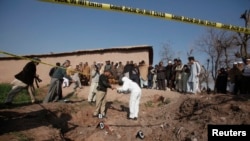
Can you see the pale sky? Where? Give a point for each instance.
(35, 27)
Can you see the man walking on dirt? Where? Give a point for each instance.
(24, 80)
(55, 88)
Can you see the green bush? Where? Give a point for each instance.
(21, 97)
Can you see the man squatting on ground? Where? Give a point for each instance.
(55, 88)
(135, 90)
(103, 85)
(24, 80)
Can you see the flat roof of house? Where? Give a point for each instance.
(82, 52)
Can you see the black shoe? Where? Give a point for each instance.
(92, 103)
(132, 118)
(129, 118)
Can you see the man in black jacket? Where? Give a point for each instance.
(103, 85)
(161, 76)
(24, 80)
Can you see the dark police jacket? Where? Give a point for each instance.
(28, 73)
(103, 83)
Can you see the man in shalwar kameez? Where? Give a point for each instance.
(135, 90)
(55, 88)
(193, 80)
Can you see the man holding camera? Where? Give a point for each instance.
(24, 80)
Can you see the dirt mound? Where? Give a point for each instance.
(164, 115)
(196, 113)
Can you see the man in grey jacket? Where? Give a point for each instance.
(55, 88)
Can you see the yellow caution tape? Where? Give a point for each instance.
(25, 58)
(104, 6)
(31, 59)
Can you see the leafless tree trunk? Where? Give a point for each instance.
(166, 53)
(217, 45)
(226, 42)
(242, 39)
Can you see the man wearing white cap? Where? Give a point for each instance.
(233, 75)
(240, 65)
(169, 74)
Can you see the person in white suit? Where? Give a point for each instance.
(135, 91)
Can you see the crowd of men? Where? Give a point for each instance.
(235, 80)
(175, 76)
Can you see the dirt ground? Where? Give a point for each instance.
(163, 116)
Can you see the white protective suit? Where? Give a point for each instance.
(135, 90)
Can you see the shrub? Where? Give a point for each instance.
(21, 97)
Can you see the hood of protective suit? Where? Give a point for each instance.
(124, 79)
(129, 85)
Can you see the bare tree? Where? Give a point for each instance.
(166, 52)
(207, 44)
(217, 45)
(204, 75)
(226, 42)
(190, 52)
(242, 39)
